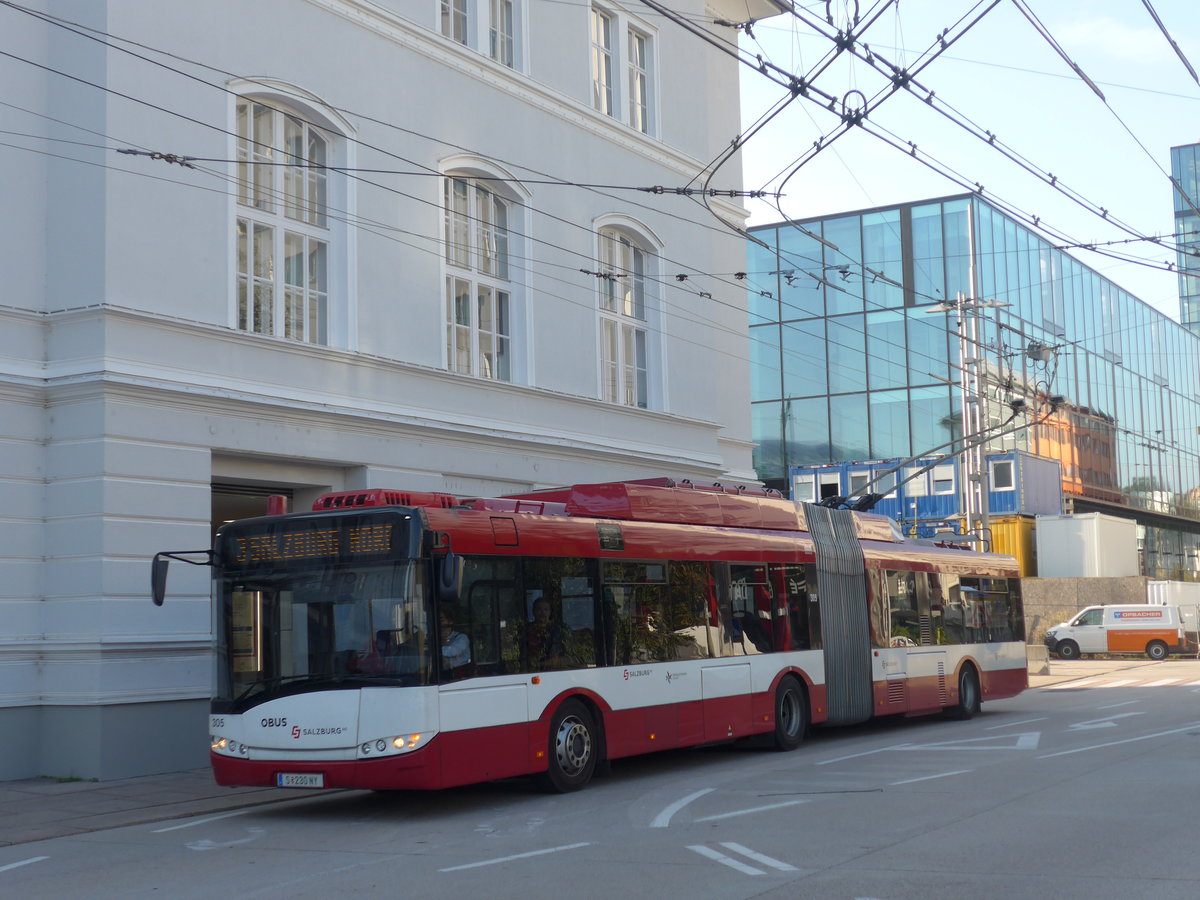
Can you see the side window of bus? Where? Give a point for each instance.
(750, 602)
(998, 612)
(905, 627)
(690, 610)
(637, 622)
(558, 614)
(797, 614)
(489, 591)
(942, 618)
(957, 610)
(880, 621)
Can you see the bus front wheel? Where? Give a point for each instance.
(791, 715)
(573, 749)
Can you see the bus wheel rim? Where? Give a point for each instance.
(573, 745)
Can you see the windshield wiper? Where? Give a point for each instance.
(267, 683)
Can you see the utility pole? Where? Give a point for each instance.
(972, 383)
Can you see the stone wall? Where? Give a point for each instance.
(1049, 601)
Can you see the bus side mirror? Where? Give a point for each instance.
(449, 571)
(158, 578)
(158, 569)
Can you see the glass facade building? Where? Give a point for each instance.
(1185, 170)
(856, 352)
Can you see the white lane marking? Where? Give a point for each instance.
(1120, 683)
(23, 862)
(1144, 737)
(1115, 705)
(746, 812)
(1022, 740)
(504, 859)
(1022, 722)
(1066, 685)
(206, 844)
(204, 821)
(1192, 684)
(1107, 722)
(930, 777)
(724, 860)
(1161, 682)
(663, 819)
(758, 857)
(826, 762)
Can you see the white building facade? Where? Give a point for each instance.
(400, 253)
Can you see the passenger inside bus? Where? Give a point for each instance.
(544, 638)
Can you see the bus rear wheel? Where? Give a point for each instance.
(969, 701)
(791, 715)
(1156, 650)
(573, 749)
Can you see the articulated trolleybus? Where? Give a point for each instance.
(413, 640)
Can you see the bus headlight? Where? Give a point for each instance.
(390, 746)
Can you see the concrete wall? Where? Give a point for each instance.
(1050, 601)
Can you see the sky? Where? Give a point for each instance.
(1006, 78)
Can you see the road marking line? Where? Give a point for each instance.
(1105, 722)
(663, 819)
(23, 862)
(826, 762)
(1119, 683)
(238, 812)
(758, 857)
(1122, 703)
(746, 812)
(1066, 685)
(1022, 722)
(1161, 682)
(930, 777)
(1144, 737)
(725, 860)
(1192, 684)
(503, 859)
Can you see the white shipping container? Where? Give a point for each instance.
(1088, 545)
(1184, 594)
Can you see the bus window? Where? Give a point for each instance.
(797, 615)
(750, 601)
(637, 622)
(879, 622)
(904, 621)
(558, 614)
(995, 612)
(687, 609)
(489, 592)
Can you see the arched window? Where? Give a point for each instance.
(481, 221)
(625, 262)
(284, 234)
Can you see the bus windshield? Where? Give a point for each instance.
(289, 631)
(317, 604)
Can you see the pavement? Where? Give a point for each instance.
(39, 809)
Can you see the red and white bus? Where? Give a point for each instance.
(404, 640)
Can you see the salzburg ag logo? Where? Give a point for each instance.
(635, 673)
(296, 732)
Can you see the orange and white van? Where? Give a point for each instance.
(1120, 628)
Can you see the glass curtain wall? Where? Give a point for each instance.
(854, 359)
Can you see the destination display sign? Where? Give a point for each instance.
(328, 540)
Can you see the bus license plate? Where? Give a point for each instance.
(300, 779)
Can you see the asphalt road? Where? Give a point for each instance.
(1078, 789)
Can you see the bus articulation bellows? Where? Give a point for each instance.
(402, 640)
